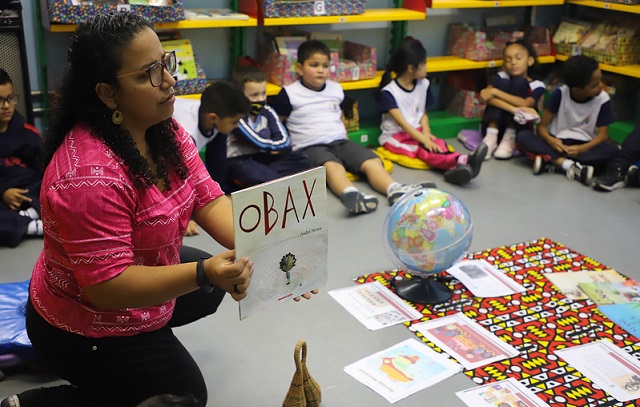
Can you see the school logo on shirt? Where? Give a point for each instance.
(416, 108)
(334, 107)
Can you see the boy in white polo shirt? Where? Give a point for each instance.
(310, 108)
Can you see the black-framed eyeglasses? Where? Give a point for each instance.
(10, 100)
(156, 70)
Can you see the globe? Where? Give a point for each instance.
(426, 232)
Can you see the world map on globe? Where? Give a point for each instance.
(427, 231)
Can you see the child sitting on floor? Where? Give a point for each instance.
(573, 131)
(259, 149)
(512, 100)
(20, 179)
(405, 124)
(311, 107)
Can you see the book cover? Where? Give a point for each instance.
(402, 369)
(465, 340)
(282, 226)
(612, 293)
(184, 56)
(568, 282)
(289, 45)
(627, 315)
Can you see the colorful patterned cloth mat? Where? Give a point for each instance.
(536, 322)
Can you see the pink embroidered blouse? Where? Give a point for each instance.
(97, 223)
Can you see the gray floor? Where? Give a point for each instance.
(250, 363)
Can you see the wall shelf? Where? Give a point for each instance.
(369, 16)
(635, 9)
(177, 25)
(626, 70)
(434, 65)
(491, 3)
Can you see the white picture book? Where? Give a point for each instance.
(483, 279)
(374, 305)
(569, 282)
(402, 369)
(282, 227)
(610, 368)
(508, 392)
(465, 340)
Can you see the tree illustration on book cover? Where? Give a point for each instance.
(274, 220)
(287, 262)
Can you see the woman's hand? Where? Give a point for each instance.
(222, 270)
(306, 296)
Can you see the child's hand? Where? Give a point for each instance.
(486, 94)
(574, 151)
(15, 197)
(431, 146)
(557, 145)
(192, 229)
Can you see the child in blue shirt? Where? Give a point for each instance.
(259, 149)
(311, 107)
(573, 131)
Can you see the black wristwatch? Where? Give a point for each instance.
(201, 278)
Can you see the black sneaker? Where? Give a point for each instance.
(476, 158)
(581, 173)
(11, 401)
(610, 181)
(540, 166)
(459, 175)
(357, 202)
(632, 179)
(399, 191)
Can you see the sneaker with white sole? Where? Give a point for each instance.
(610, 181)
(11, 401)
(357, 202)
(507, 146)
(397, 192)
(540, 166)
(632, 179)
(581, 173)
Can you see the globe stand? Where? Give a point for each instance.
(423, 290)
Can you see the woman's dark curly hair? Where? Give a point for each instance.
(95, 56)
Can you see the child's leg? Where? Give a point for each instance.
(445, 160)
(329, 157)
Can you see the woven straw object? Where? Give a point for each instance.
(304, 391)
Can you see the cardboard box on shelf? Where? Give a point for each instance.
(65, 12)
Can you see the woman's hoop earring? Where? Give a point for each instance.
(117, 117)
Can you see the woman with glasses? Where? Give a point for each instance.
(20, 177)
(121, 182)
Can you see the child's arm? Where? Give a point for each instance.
(273, 137)
(543, 131)
(602, 135)
(499, 98)
(423, 138)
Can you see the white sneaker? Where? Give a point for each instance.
(491, 140)
(580, 172)
(507, 146)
